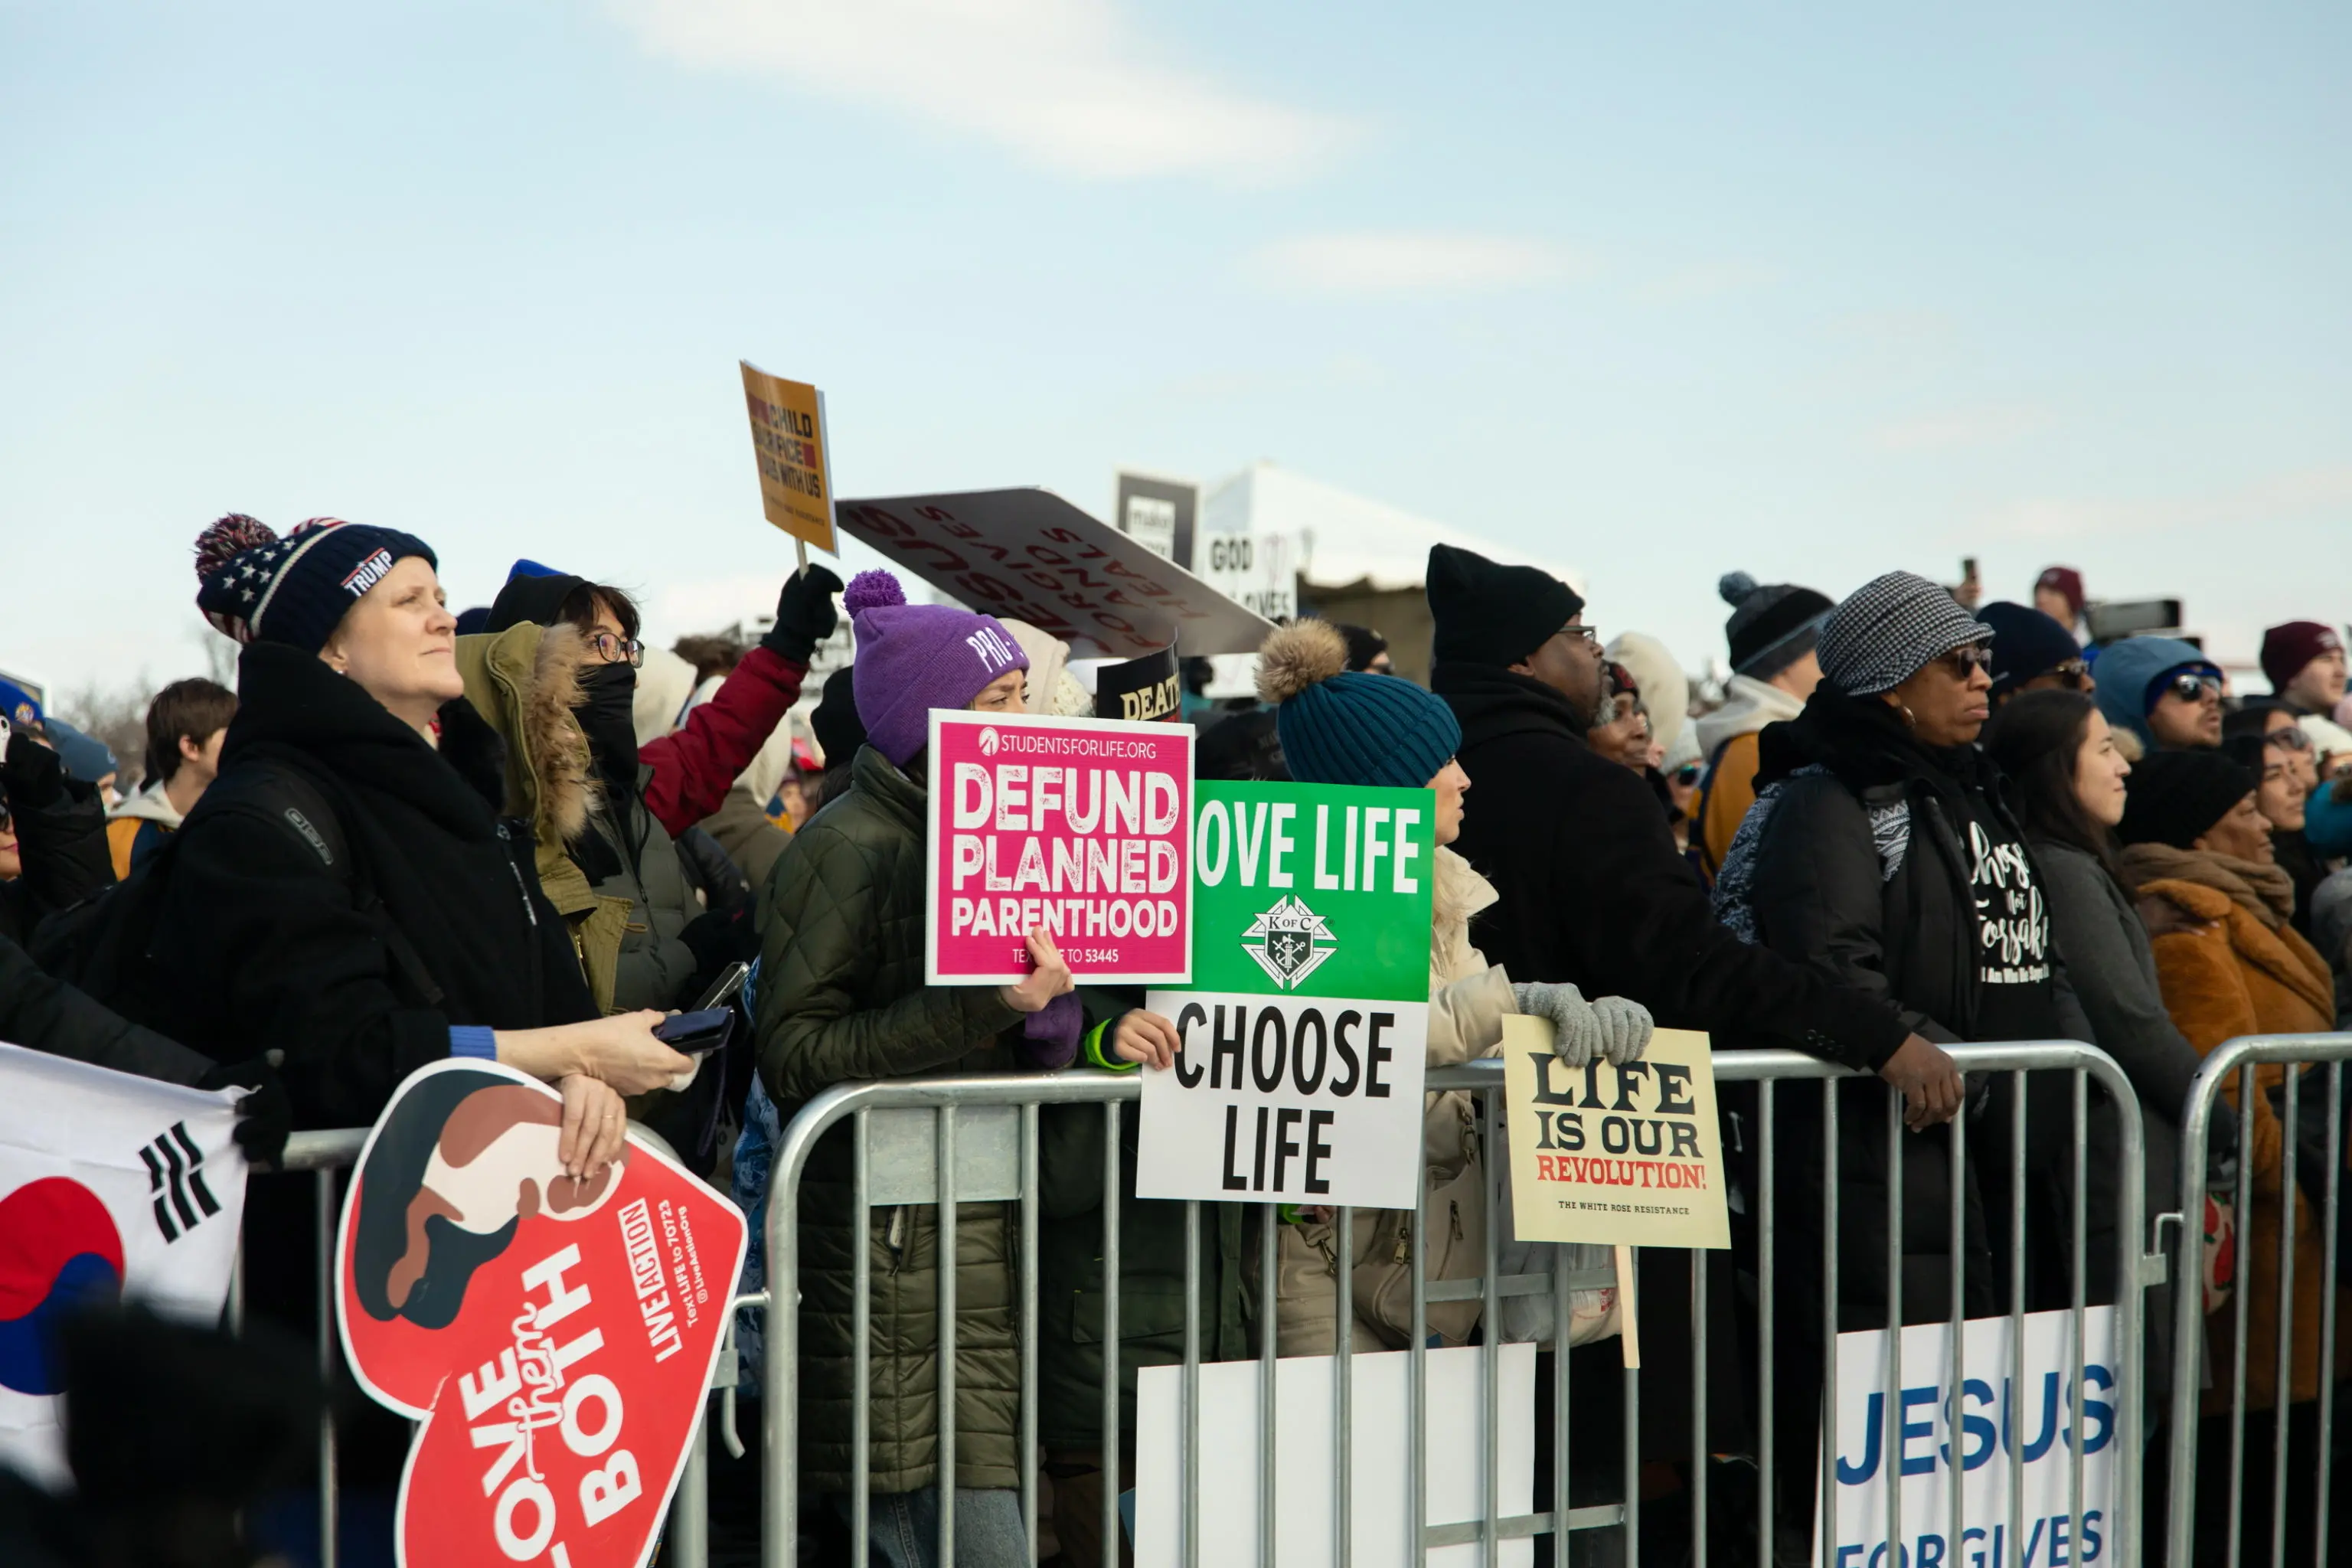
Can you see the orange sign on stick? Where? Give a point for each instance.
(795, 467)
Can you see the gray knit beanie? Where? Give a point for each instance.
(1889, 629)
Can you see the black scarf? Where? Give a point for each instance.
(1492, 703)
(1865, 743)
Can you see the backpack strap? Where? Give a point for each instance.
(1699, 858)
(293, 797)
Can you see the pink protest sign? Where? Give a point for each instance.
(1082, 826)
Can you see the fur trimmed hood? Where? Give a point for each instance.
(524, 682)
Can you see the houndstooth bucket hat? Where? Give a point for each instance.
(1890, 628)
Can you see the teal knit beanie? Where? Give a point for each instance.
(1350, 729)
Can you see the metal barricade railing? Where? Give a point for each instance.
(983, 1144)
(326, 1155)
(2242, 1059)
(1000, 1116)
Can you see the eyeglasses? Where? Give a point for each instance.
(1961, 662)
(2072, 671)
(2193, 688)
(613, 650)
(2287, 738)
(1588, 635)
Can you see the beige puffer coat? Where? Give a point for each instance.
(1468, 999)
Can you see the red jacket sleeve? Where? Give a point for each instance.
(693, 768)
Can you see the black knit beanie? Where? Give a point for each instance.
(530, 595)
(1488, 613)
(2175, 797)
(1768, 618)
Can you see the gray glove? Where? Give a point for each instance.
(1625, 1026)
(1576, 1028)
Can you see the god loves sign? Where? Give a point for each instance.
(1078, 827)
(1306, 1034)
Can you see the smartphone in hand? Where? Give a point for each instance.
(696, 1033)
(725, 988)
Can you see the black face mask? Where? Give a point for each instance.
(607, 694)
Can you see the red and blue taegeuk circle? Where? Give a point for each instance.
(58, 1250)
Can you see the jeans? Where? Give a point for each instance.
(906, 1529)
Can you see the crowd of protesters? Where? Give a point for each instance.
(1907, 822)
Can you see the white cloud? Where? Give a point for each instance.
(1962, 428)
(1410, 262)
(1065, 83)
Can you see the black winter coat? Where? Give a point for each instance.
(261, 944)
(1595, 892)
(1071, 1301)
(42, 1013)
(60, 838)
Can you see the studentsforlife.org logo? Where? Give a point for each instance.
(1289, 942)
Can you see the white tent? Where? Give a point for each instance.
(1361, 561)
(1348, 539)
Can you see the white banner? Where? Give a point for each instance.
(111, 1188)
(1289, 1099)
(1454, 1423)
(1993, 1422)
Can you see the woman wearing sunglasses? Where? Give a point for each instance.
(1884, 851)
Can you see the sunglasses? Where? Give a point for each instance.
(1688, 775)
(1962, 662)
(2289, 739)
(2193, 688)
(2072, 671)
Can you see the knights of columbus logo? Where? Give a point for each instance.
(1288, 942)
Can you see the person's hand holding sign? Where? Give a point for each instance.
(1049, 979)
(1145, 1038)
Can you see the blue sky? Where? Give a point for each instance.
(1659, 290)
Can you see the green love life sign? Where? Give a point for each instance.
(1304, 1036)
(1312, 890)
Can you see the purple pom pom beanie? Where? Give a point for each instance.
(912, 659)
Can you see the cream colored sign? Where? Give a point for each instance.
(1614, 1155)
(795, 467)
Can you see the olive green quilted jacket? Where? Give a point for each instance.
(842, 999)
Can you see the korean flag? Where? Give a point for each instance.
(111, 1188)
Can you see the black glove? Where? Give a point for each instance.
(34, 776)
(804, 615)
(265, 1116)
(717, 939)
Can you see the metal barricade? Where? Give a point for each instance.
(326, 1155)
(2242, 1060)
(981, 1144)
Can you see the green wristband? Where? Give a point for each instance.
(1092, 1045)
